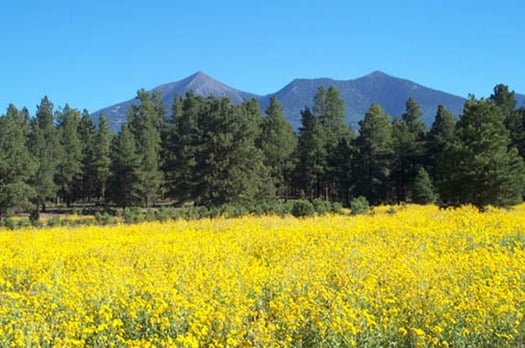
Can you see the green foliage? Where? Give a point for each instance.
(145, 123)
(321, 206)
(359, 205)
(124, 182)
(440, 137)
(53, 221)
(87, 187)
(311, 156)
(302, 208)
(69, 168)
(278, 144)
(482, 168)
(424, 192)
(131, 215)
(409, 136)
(46, 149)
(104, 218)
(10, 223)
(373, 163)
(102, 151)
(16, 165)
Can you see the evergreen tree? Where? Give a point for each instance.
(103, 155)
(341, 162)
(424, 192)
(409, 135)
(329, 111)
(16, 164)
(504, 99)
(86, 187)
(181, 145)
(515, 123)
(441, 136)
(124, 186)
(69, 167)
(374, 156)
(278, 144)
(229, 168)
(311, 154)
(486, 170)
(145, 121)
(45, 148)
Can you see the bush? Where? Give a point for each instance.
(336, 208)
(321, 206)
(131, 216)
(302, 208)
(151, 215)
(359, 205)
(163, 214)
(104, 219)
(53, 221)
(10, 223)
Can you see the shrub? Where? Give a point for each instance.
(131, 216)
(359, 205)
(104, 219)
(10, 223)
(336, 207)
(302, 208)
(321, 206)
(164, 214)
(53, 221)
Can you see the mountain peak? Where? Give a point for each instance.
(199, 75)
(377, 74)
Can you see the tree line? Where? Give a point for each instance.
(208, 151)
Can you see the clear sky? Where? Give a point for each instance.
(95, 53)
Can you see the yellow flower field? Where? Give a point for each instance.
(417, 277)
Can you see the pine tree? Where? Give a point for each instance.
(441, 135)
(486, 170)
(103, 155)
(374, 156)
(181, 145)
(145, 123)
(311, 154)
(229, 167)
(86, 187)
(69, 167)
(278, 144)
(16, 164)
(329, 111)
(424, 192)
(45, 148)
(341, 161)
(504, 99)
(409, 135)
(515, 123)
(124, 186)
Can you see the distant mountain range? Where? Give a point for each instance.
(358, 94)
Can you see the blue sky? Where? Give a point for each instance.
(92, 54)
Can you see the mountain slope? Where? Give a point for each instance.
(358, 94)
(389, 92)
(199, 83)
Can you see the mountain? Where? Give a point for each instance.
(199, 83)
(389, 92)
(358, 94)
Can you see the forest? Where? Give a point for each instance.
(208, 151)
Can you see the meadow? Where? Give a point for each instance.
(412, 276)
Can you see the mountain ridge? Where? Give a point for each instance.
(358, 94)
